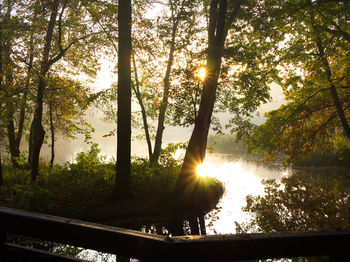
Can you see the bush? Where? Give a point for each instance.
(81, 188)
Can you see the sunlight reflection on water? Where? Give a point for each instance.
(240, 178)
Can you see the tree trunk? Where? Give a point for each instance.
(195, 152)
(13, 136)
(332, 87)
(9, 105)
(143, 110)
(1, 176)
(122, 183)
(14, 148)
(37, 132)
(1, 76)
(52, 128)
(164, 103)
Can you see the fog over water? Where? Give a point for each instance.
(67, 149)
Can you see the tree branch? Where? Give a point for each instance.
(59, 43)
(232, 16)
(305, 101)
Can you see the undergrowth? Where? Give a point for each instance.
(81, 188)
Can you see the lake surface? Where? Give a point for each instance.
(241, 177)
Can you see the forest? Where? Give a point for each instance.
(182, 63)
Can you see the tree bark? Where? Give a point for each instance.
(1, 77)
(122, 183)
(14, 149)
(13, 136)
(52, 128)
(164, 103)
(196, 149)
(37, 132)
(143, 110)
(332, 87)
(8, 82)
(1, 176)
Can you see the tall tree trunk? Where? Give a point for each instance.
(1, 77)
(8, 82)
(196, 149)
(52, 128)
(332, 87)
(164, 103)
(11, 135)
(1, 176)
(122, 183)
(37, 132)
(14, 137)
(333, 90)
(143, 110)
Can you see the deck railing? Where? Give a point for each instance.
(150, 247)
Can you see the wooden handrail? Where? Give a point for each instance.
(135, 244)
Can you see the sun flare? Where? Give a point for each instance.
(206, 170)
(201, 73)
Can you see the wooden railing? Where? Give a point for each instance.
(150, 247)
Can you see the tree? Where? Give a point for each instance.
(220, 19)
(66, 101)
(173, 30)
(37, 132)
(1, 92)
(13, 29)
(122, 183)
(301, 202)
(1, 175)
(180, 12)
(314, 66)
(137, 91)
(70, 37)
(17, 107)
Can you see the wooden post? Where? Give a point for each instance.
(3, 252)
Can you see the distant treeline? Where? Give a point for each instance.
(225, 144)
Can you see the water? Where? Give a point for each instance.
(240, 178)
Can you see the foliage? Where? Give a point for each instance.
(313, 66)
(167, 155)
(301, 202)
(69, 100)
(81, 188)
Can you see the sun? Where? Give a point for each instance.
(201, 73)
(205, 170)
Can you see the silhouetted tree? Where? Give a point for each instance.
(220, 19)
(122, 183)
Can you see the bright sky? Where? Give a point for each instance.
(105, 77)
